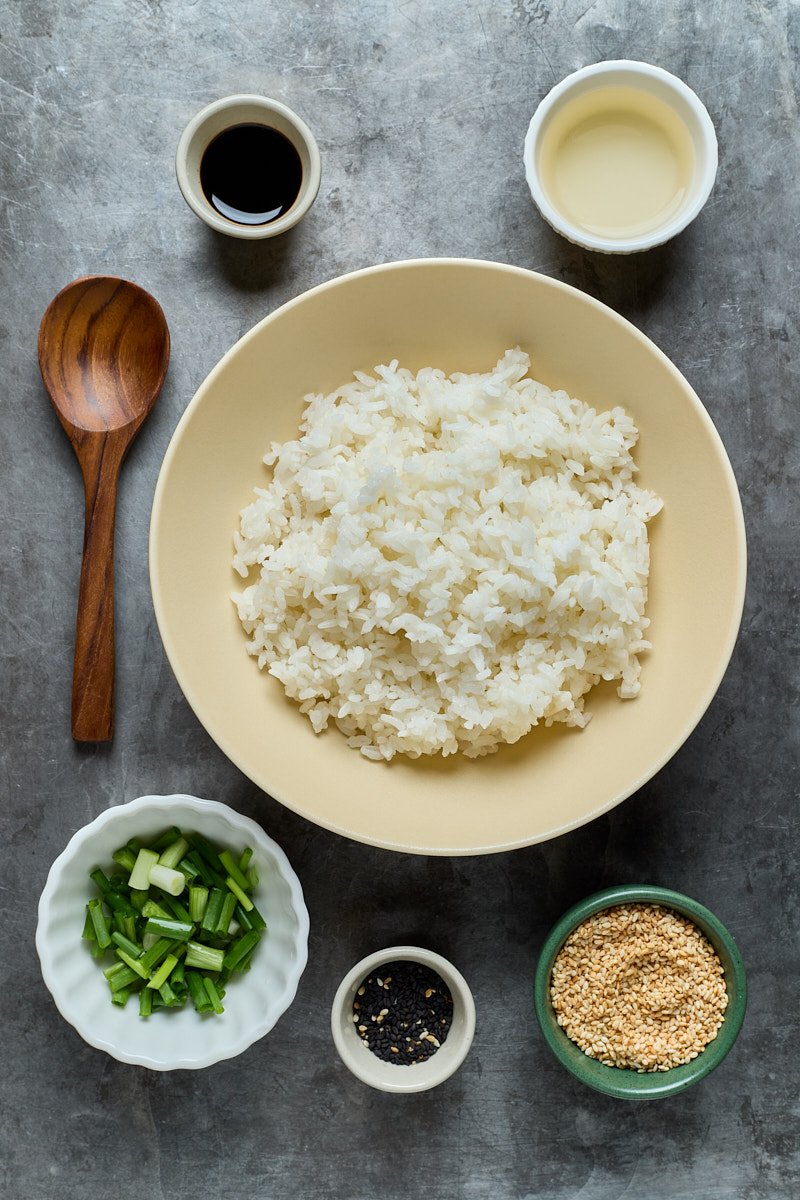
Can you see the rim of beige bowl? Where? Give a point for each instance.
(686, 104)
(240, 109)
(195, 699)
(419, 1077)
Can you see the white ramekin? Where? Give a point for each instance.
(668, 88)
(241, 110)
(253, 1001)
(419, 1077)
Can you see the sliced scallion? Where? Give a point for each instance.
(125, 858)
(167, 879)
(135, 964)
(173, 853)
(240, 948)
(206, 958)
(239, 878)
(226, 915)
(241, 896)
(162, 974)
(126, 944)
(176, 931)
(101, 930)
(213, 994)
(165, 948)
(140, 875)
(198, 898)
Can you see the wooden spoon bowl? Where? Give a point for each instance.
(103, 353)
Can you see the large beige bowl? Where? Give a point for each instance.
(457, 315)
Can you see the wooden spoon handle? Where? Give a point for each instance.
(93, 670)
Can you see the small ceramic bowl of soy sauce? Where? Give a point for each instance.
(248, 166)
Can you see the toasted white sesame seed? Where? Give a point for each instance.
(639, 986)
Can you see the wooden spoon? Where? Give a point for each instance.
(103, 354)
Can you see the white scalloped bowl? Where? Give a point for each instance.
(179, 1039)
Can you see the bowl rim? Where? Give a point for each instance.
(651, 1085)
(738, 584)
(149, 803)
(656, 237)
(200, 206)
(433, 1071)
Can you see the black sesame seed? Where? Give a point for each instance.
(416, 1001)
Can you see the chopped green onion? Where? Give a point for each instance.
(140, 875)
(189, 869)
(244, 963)
(173, 853)
(245, 919)
(88, 927)
(156, 953)
(250, 920)
(240, 948)
(135, 964)
(119, 904)
(126, 944)
(123, 979)
(204, 957)
(226, 914)
(198, 898)
(177, 910)
(166, 839)
(101, 880)
(207, 851)
(101, 930)
(239, 878)
(125, 857)
(175, 948)
(177, 931)
(213, 994)
(167, 995)
(162, 974)
(204, 872)
(114, 970)
(198, 992)
(213, 910)
(241, 896)
(167, 879)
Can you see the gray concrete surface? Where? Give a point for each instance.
(420, 110)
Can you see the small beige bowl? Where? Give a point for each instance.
(647, 79)
(242, 110)
(418, 1077)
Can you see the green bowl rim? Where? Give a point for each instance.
(664, 1083)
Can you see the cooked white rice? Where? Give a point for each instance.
(443, 563)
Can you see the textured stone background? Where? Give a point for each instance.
(420, 109)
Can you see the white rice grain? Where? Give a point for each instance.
(442, 563)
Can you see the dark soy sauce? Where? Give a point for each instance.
(251, 174)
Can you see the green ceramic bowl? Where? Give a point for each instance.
(614, 1081)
